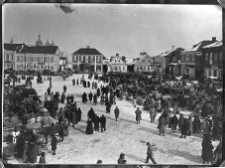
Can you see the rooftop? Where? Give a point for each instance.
(40, 49)
(87, 51)
(216, 44)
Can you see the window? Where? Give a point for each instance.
(52, 59)
(18, 58)
(81, 58)
(215, 55)
(115, 68)
(193, 58)
(120, 68)
(38, 59)
(93, 59)
(221, 58)
(187, 58)
(99, 59)
(34, 66)
(206, 56)
(86, 59)
(49, 67)
(210, 58)
(214, 73)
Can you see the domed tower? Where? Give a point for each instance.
(47, 43)
(39, 42)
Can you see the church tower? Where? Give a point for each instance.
(39, 42)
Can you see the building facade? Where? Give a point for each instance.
(87, 60)
(192, 60)
(10, 54)
(38, 58)
(213, 61)
(144, 64)
(118, 64)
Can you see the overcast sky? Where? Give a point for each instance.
(124, 29)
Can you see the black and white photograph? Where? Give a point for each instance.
(112, 84)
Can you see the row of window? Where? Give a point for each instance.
(216, 55)
(188, 58)
(86, 59)
(8, 57)
(213, 73)
(119, 68)
(35, 59)
(21, 67)
(144, 68)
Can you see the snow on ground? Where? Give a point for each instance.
(124, 135)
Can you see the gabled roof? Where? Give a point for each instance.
(167, 53)
(216, 44)
(40, 49)
(12, 47)
(87, 51)
(117, 57)
(140, 62)
(200, 45)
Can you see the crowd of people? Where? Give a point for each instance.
(29, 144)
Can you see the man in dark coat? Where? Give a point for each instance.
(79, 113)
(54, 144)
(63, 98)
(32, 152)
(117, 112)
(196, 124)
(106, 99)
(102, 120)
(184, 128)
(207, 149)
(95, 99)
(150, 154)
(91, 114)
(90, 97)
(84, 97)
(108, 107)
(174, 122)
(89, 128)
(98, 92)
(96, 124)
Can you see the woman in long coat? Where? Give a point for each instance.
(89, 129)
(207, 149)
(73, 118)
(138, 115)
(184, 128)
(79, 112)
(162, 124)
(54, 144)
(84, 97)
(190, 126)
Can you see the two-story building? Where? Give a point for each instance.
(88, 60)
(169, 61)
(118, 64)
(10, 53)
(38, 58)
(192, 61)
(213, 61)
(144, 64)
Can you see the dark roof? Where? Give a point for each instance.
(39, 49)
(12, 47)
(87, 51)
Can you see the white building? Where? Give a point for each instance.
(117, 64)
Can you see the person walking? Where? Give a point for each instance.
(95, 99)
(102, 120)
(152, 113)
(73, 82)
(15, 134)
(162, 125)
(117, 112)
(79, 113)
(174, 122)
(150, 154)
(184, 128)
(196, 124)
(207, 149)
(90, 97)
(84, 97)
(108, 107)
(54, 144)
(190, 126)
(138, 113)
(89, 128)
(96, 123)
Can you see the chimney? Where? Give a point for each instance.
(172, 47)
(11, 41)
(124, 58)
(214, 39)
(88, 47)
(144, 53)
(138, 59)
(117, 55)
(134, 59)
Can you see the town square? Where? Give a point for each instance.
(109, 97)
